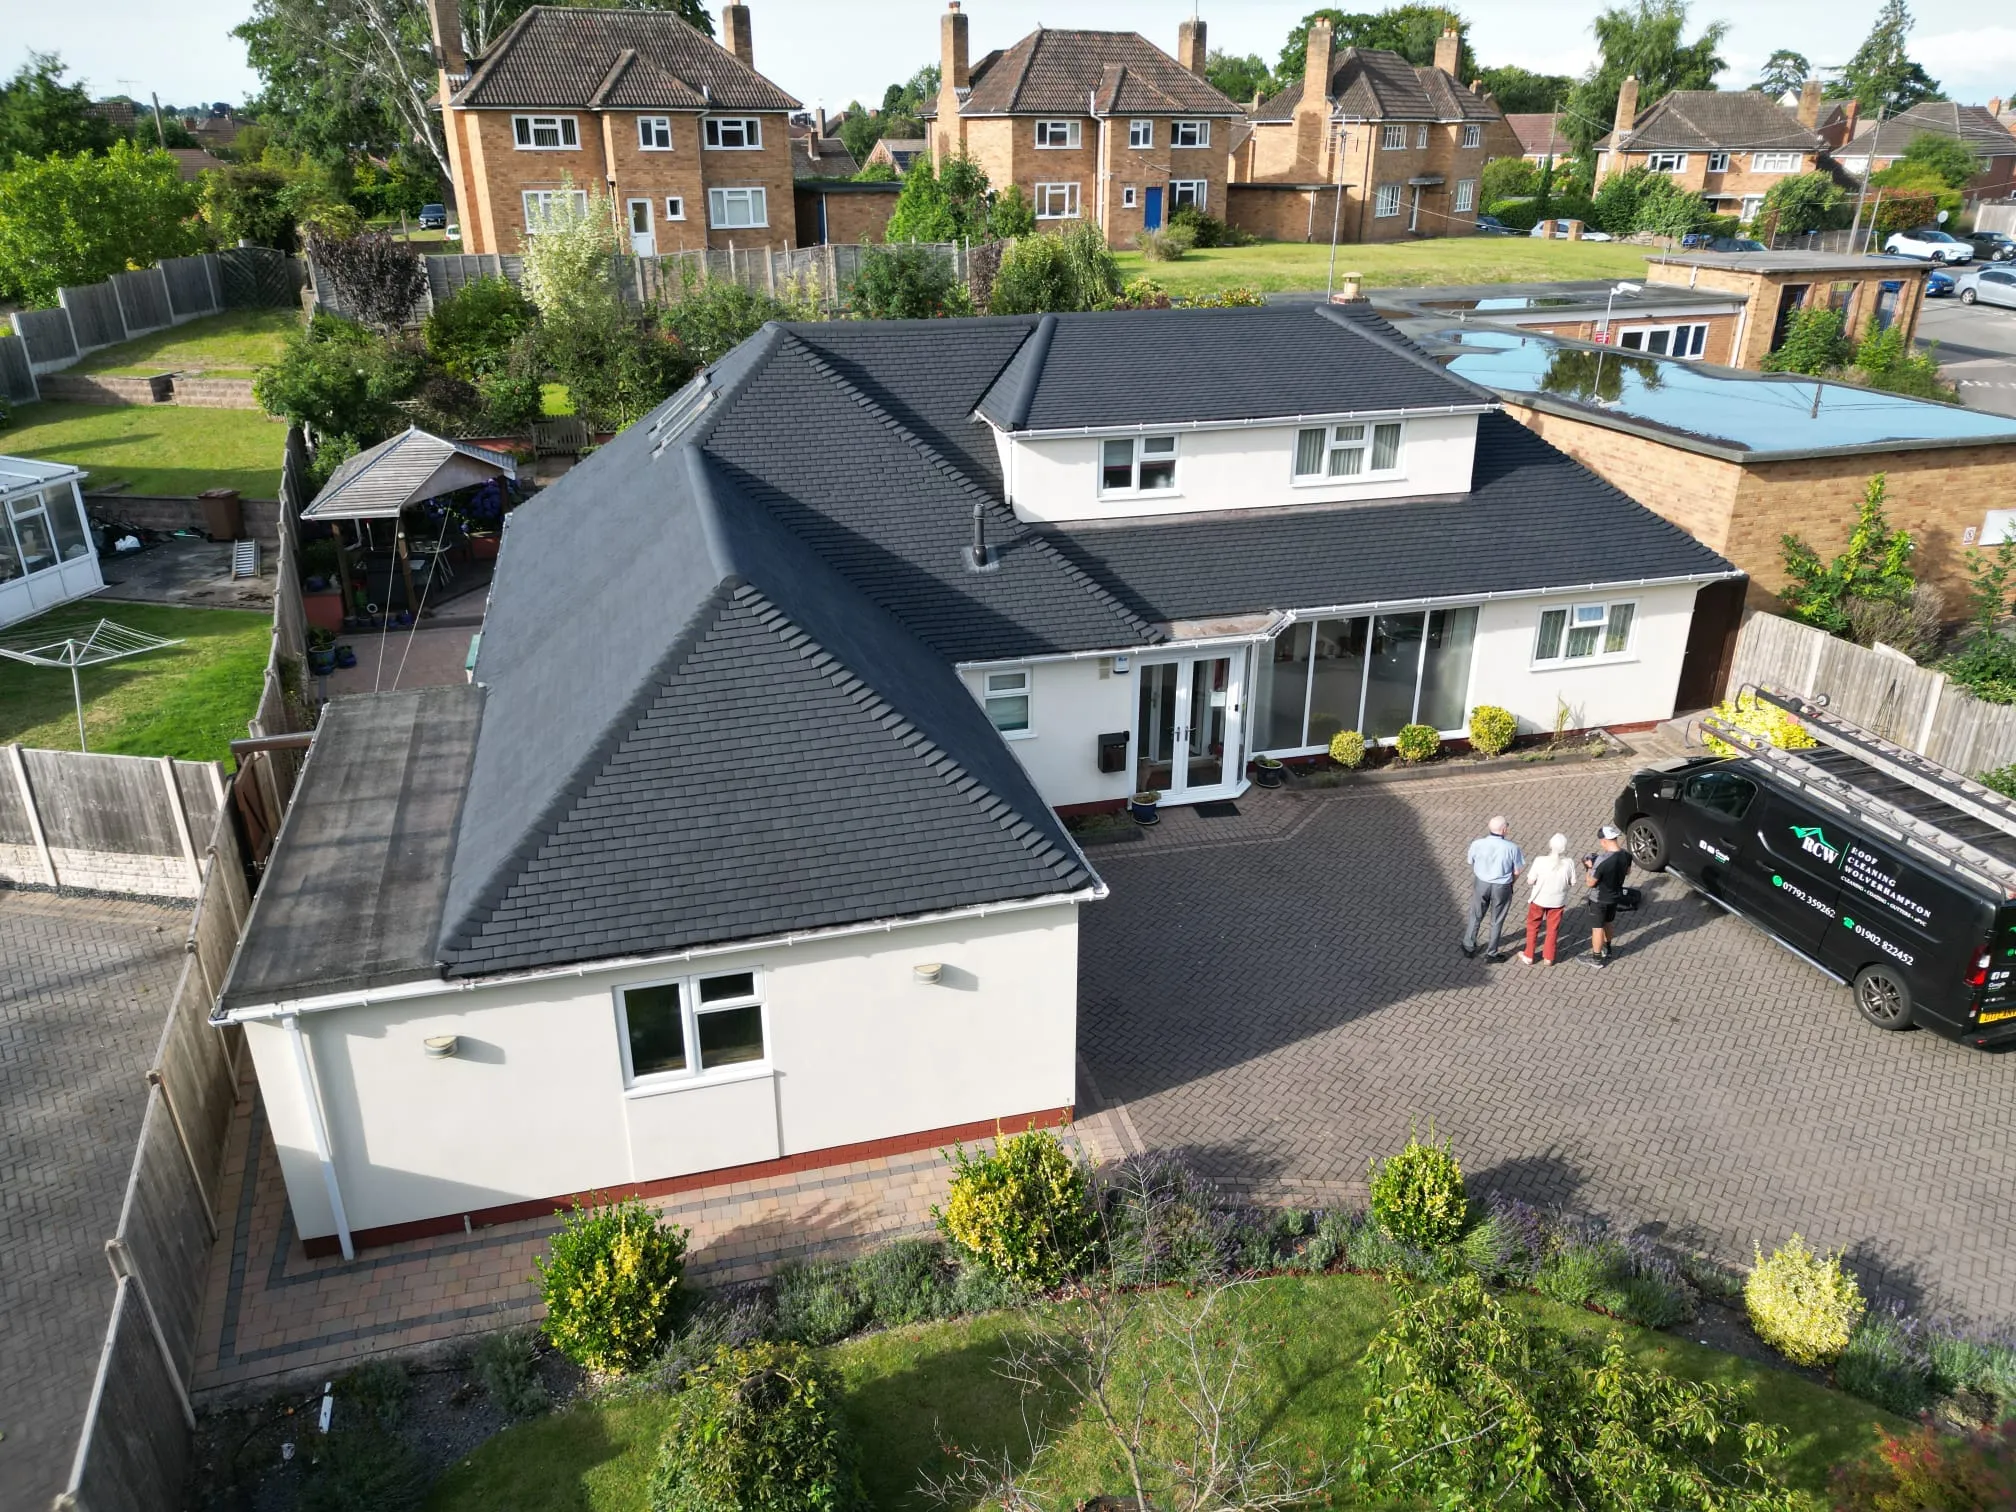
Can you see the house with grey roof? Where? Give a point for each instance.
(1727, 145)
(745, 848)
(1877, 145)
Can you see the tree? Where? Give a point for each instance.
(947, 204)
(1876, 565)
(1072, 271)
(379, 277)
(340, 381)
(77, 220)
(1012, 215)
(1785, 71)
(1519, 91)
(907, 282)
(40, 114)
(1509, 178)
(1238, 78)
(860, 131)
(1814, 343)
(1645, 41)
(1641, 199)
(1409, 30)
(268, 200)
(1881, 75)
(1802, 202)
(1945, 158)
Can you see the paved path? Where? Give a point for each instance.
(84, 990)
(1282, 992)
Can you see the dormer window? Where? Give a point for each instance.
(1347, 451)
(1137, 464)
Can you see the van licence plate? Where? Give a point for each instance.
(1998, 1016)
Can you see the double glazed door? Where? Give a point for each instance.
(1189, 738)
(643, 239)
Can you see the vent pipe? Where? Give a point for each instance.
(979, 536)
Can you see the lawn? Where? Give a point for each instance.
(235, 344)
(154, 448)
(190, 700)
(1289, 266)
(911, 1389)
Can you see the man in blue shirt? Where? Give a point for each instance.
(1494, 862)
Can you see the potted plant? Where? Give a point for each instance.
(1267, 771)
(321, 651)
(1142, 806)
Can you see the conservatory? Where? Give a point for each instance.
(46, 556)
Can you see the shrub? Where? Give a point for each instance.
(1519, 214)
(1914, 626)
(757, 1429)
(1231, 297)
(1759, 718)
(1022, 1210)
(978, 1288)
(709, 320)
(1507, 1246)
(1801, 202)
(1166, 245)
(1967, 1363)
(1886, 361)
(1492, 729)
(1207, 230)
(338, 379)
(1163, 1222)
(1927, 1469)
(1417, 742)
(909, 282)
(1143, 294)
(364, 1470)
(1328, 1245)
(1886, 1363)
(818, 1303)
(608, 1282)
(1815, 343)
(1371, 1248)
(1347, 748)
(905, 1282)
(377, 1390)
(473, 331)
(1801, 1305)
(1011, 215)
(1575, 1273)
(379, 277)
(1071, 271)
(1986, 667)
(1875, 565)
(1417, 1194)
(506, 1366)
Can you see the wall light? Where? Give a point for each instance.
(441, 1046)
(929, 972)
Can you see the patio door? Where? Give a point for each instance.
(642, 242)
(1189, 728)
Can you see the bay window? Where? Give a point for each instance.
(688, 1027)
(1584, 632)
(1372, 673)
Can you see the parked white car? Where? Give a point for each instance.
(1930, 244)
(1561, 232)
(1993, 285)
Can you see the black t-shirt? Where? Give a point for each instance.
(1611, 869)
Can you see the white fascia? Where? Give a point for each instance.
(1273, 627)
(1387, 606)
(1270, 422)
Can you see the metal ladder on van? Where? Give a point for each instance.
(1930, 841)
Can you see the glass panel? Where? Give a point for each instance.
(1210, 709)
(1283, 685)
(1445, 675)
(31, 529)
(1007, 682)
(1582, 641)
(640, 215)
(657, 1034)
(1385, 447)
(1338, 673)
(1659, 342)
(1116, 468)
(1618, 637)
(10, 559)
(1308, 453)
(1551, 624)
(1632, 341)
(1347, 461)
(1391, 673)
(1008, 713)
(72, 541)
(1156, 749)
(1158, 473)
(1700, 340)
(719, 989)
(730, 1036)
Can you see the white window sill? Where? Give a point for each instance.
(1016, 734)
(1565, 664)
(750, 226)
(655, 149)
(1060, 217)
(1348, 480)
(658, 1086)
(517, 147)
(1136, 495)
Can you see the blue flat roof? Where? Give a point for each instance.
(1719, 410)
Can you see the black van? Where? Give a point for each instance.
(1802, 849)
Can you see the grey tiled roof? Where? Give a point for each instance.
(1702, 120)
(1370, 83)
(1972, 124)
(560, 58)
(834, 160)
(1058, 72)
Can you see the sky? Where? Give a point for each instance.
(185, 50)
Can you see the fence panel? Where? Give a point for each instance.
(48, 336)
(143, 300)
(256, 278)
(187, 280)
(449, 272)
(109, 823)
(94, 315)
(17, 373)
(1971, 736)
(165, 1229)
(135, 1448)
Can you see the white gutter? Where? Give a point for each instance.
(1281, 617)
(320, 1130)
(399, 992)
(1163, 428)
(1380, 606)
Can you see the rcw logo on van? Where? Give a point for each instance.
(1814, 843)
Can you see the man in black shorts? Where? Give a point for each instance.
(1606, 870)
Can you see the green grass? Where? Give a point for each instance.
(1290, 266)
(554, 400)
(154, 448)
(235, 344)
(189, 701)
(910, 1389)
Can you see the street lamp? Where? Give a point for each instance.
(1624, 287)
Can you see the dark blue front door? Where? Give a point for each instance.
(1151, 212)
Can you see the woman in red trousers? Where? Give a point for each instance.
(1552, 879)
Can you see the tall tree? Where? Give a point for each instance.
(1783, 70)
(1646, 40)
(1238, 78)
(76, 220)
(1881, 75)
(1409, 30)
(40, 114)
(1520, 92)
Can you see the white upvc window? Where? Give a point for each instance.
(1129, 196)
(1421, 136)
(541, 202)
(1137, 465)
(1466, 194)
(1190, 134)
(1718, 162)
(1774, 162)
(1666, 162)
(1057, 133)
(1356, 450)
(733, 133)
(1753, 204)
(1687, 340)
(654, 133)
(692, 1028)
(1005, 696)
(1584, 632)
(1057, 201)
(545, 133)
(1140, 133)
(1473, 136)
(675, 207)
(1192, 192)
(1386, 200)
(1392, 138)
(735, 209)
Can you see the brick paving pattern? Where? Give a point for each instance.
(1282, 993)
(85, 985)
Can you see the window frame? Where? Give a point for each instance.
(1385, 201)
(1666, 162)
(654, 127)
(1139, 458)
(1598, 657)
(1718, 162)
(1718, 777)
(1301, 699)
(1070, 189)
(1690, 334)
(715, 208)
(1763, 162)
(545, 196)
(1140, 134)
(526, 140)
(1198, 131)
(691, 1011)
(1073, 135)
(1465, 200)
(1473, 135)
(989, 695)
(1198, 190)
(1366, 445)
(711, 132)
(1130, 197)
(675, 207)
(1421, 137)
(1393, 138)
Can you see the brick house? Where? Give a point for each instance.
(1872, 293)
(1728, 146)
(1876, 145)
(1405, 146)
(1540, 137)
(898, 152)
(1091, 125)
(690, 143)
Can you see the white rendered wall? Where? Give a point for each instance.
(1632, 689)
(1071, 704)
(533, 1106)
(1246, 468)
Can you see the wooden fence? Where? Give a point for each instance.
(98, 823)
(282, 703)
(1883, 691)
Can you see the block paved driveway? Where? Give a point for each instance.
(1282, 993)
(85, 985)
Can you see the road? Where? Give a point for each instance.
(1977, 350)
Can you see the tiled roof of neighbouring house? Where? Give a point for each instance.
(1058, 72)
(1371, 84)
(833, 161)
(1703, 120)
(1972, 124)
(616, 59)
(1540, 135)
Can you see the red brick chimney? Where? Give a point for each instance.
(1449, 51)
(1627, 106)
(1316, 68)
(1809, 104)
(1190, 48)
(1853, 111)
(446, 17)
(735, 33)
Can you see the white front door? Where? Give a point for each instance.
(1189, 729)
(642, 242)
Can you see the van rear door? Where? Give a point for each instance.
(1998, 991)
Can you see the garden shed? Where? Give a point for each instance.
(46, 556)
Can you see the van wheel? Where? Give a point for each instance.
(1883, 998)
(1647, 842)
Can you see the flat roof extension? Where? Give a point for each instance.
(1796, 262)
